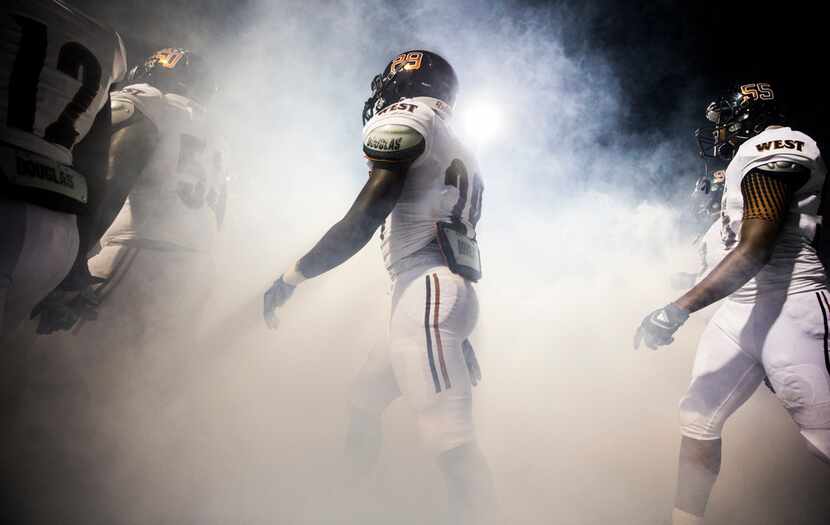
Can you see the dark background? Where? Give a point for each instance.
(670, 53)
(672, 57)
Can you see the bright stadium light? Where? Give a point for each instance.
(482, 121)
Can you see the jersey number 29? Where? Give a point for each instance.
(458, 177)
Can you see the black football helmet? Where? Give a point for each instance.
(416, 73)
(176, 70)
(745, 112)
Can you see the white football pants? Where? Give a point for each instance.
(433, 312)
(37, 249)
(784, 339)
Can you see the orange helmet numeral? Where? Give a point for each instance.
(169, 57)
(410, 61)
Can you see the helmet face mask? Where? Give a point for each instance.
(736, 118)
(416, 73)
(376, 102)
(707, 195)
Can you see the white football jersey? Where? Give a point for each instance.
(56, 69)
(794, 266)
(442, 185)
(179, 197)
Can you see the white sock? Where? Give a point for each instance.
(679, 517)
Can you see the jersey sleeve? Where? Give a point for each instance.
(400, 132)
(394, 143)
(119, 62)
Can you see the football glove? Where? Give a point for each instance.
(276, 296)
(658, 328)
(61, 310)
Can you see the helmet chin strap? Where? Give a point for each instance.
(726, 151)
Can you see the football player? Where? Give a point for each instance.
(424, 192)
(165, 197)
(58, 66)
(774, 320)
(706, 206)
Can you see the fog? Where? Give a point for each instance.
(223, 421)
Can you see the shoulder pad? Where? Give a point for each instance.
(779, 145)
(145, 99)
(408, 112)
(122, 111)
(394, 142)
(782, 166)
(143, 91)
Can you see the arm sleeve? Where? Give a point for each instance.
(767, 194)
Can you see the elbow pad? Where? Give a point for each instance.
(394, 143)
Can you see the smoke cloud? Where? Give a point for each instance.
(223, 421)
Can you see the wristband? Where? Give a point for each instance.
(293, 276)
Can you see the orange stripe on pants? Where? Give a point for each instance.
(438, 333)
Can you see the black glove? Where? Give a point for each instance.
(61, 310)
(472, 362)
(658, 328)
(276, 296)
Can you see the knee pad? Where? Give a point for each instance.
(698, 420)
(818, 442)
(446, 426)
(373, 390)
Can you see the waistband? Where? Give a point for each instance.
(426, 257)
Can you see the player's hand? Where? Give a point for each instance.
(658, 328)
(61, 310)
(276, 296)
(472, 362)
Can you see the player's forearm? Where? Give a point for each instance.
(130, 150)
(338, 245)
(729, 276)
(90, 157)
